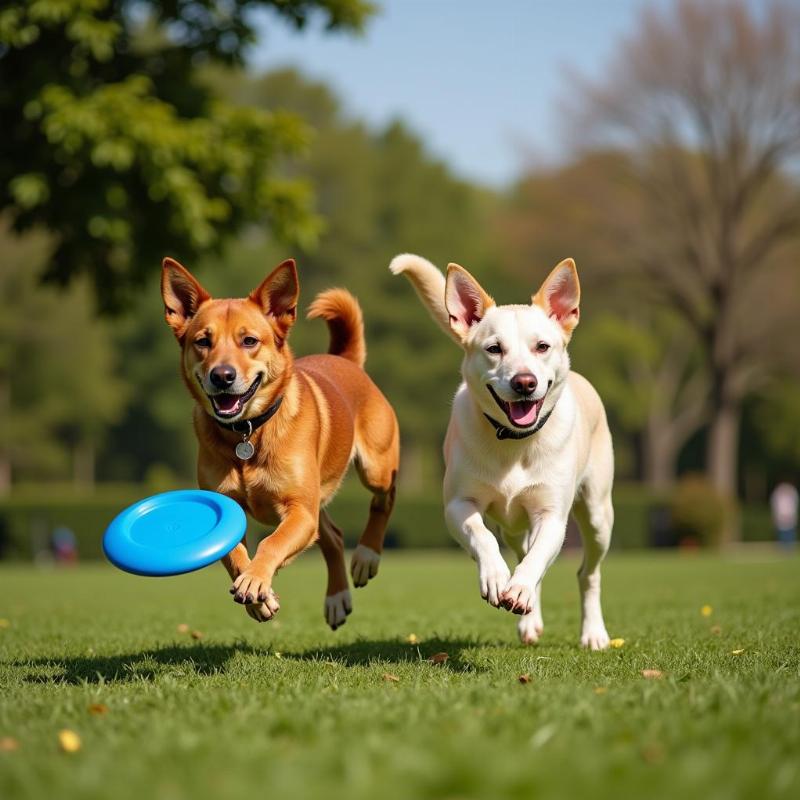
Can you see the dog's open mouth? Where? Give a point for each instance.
(229, 405)
(520, 413)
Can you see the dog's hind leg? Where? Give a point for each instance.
(338, 603)
(595, 517)
(377, 467)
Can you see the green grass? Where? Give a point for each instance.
(289, 709)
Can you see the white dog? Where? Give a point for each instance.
(527, 442)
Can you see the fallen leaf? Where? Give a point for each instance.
(4, 623)
(706, 611)
(737, 652)
(716, 630)
(412, 638)
(387, 676)
(617, 643)
(196, 635)
(652, 673)
(69, 741)
(524, 678)
(278, 654)
(8, 744)
(600, 689)
(438, 658)
(183, 628)
(98, 709)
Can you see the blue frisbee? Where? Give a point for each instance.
(174, 532)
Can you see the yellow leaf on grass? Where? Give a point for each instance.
(69, 741)
(387, 676)
(737, 652)
(600, 689)
(4, 623)
(617, 643)
(652, 674)
(183, 628)
(8, 744)
(706, 611)
(98, 709)
(412, 638)
(196, 635)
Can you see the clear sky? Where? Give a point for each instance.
(478, 80)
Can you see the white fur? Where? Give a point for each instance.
(364, 565)
(337, 608)
(529, 486)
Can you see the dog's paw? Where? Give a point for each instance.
(493, 575)
(364, 565)
(595, 636)
(264, 612)
(530, 627)
(337, 608)
(250, 588)
(518, 598)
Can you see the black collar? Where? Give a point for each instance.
(247, 426)
(509, 433)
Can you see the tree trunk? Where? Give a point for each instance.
(722, 460)
(660, 454)
(83, 458)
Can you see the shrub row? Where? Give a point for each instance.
(28, 519)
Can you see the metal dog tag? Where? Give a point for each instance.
(245, 450)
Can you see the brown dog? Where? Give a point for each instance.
(277, 435)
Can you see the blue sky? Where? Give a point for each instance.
(479, 81)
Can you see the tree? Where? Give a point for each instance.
(704, 97)
(111, 141)
(60, 386)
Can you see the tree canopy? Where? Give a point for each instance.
(113, 143)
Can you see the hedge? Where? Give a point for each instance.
(28, 518)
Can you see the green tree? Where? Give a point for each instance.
(112, 142)
(60, 387)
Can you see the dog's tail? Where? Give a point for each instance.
(429, 284)
(345, 322)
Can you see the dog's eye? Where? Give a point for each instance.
(249, 341)
(495, 349)
(542, 347)
(203, 342)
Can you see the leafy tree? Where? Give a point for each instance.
(704, 99)
(60, 387)
(111, 141)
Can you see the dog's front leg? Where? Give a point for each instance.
(236, 562)
(543, 544)
(295, 532)
(465, 521)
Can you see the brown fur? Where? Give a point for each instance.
(331, 413)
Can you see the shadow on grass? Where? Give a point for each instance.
(205, 660)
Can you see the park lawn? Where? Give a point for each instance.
(290, 709)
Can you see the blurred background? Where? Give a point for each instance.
(657, 143)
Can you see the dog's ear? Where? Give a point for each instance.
(182, 294)
(465, 300)
(277, 296)
(560, 296)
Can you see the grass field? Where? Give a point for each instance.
(289, 709)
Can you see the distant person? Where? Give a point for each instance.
(65, 545)
(784, 501)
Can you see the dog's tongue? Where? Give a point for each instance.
(523, 412)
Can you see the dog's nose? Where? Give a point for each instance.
(222, 376)
(524, 383)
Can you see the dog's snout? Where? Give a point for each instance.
(524, 383)
(222, 376)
